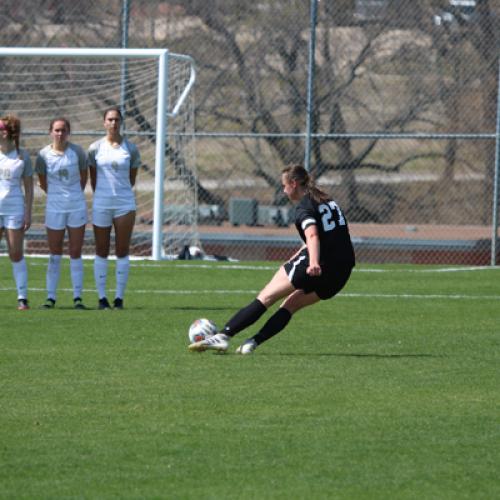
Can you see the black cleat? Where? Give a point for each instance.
(22, 305)
(118, 303)
(49, 304)
(78, 304)
(104, 304)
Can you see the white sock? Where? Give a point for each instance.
(122, 269)
(100, 275)
(53, 273)
(76, 269)
(20, 271)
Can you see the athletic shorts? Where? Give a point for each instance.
(12, 221)
(103, 217)
(61, 220)
(332, 279)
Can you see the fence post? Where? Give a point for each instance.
(310, 83)
(494, 218)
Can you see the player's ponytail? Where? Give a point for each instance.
(300, 175)
(13, 125)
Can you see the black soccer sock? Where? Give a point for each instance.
(244, 318)
(274, 325)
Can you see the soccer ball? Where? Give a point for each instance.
(201, 329)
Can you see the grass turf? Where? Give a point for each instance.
(388, 391)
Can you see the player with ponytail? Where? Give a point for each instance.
(318, 271)
(15, 206)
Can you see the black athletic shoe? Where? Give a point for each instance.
(78, 304)
(49, 304)
(104, 304)
(22, 305)
(118, 303)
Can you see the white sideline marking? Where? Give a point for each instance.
(438, 270)
(356, 269)
(420, 296)
(254, 292)
(243, 267)
(156, 292)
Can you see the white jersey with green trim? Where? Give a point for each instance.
(62, 169)
(14, 165)
(113, 189)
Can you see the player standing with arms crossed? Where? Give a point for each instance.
(62, 173)
(113, 162)
(15, 208)
(318, 271)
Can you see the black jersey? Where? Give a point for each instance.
(333, 231)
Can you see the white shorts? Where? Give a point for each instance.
(61, 220)
(12, 221)
(103, 217)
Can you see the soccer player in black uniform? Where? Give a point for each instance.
(318, 271)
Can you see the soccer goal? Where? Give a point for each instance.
(154, 89)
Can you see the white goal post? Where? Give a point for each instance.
(172, 99)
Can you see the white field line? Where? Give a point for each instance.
(441, 296)
(254, 292)
(243, 267)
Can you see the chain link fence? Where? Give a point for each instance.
(402, 118)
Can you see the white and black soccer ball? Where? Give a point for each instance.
(201, 329)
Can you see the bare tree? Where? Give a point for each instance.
(260, 52)
(370, 77)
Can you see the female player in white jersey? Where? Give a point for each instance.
(318, 271)
(15, 207)
(62, 173)
(113, 162)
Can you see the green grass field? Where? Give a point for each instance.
(389, 391)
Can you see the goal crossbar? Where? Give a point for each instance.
(163, 56)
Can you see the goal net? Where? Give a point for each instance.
(153, 88)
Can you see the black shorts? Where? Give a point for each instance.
(333, 277)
